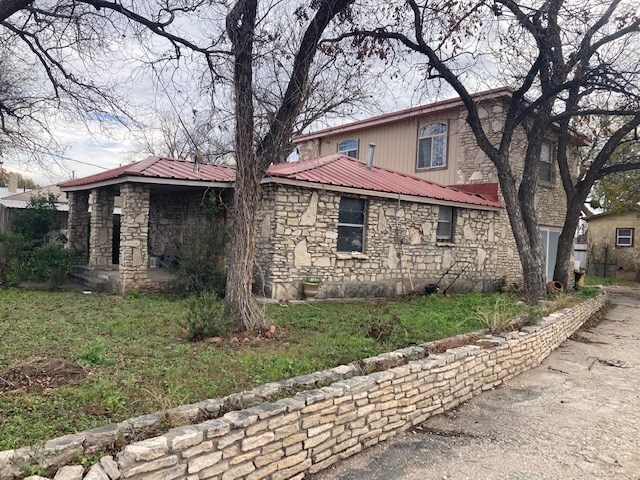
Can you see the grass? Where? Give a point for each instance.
(139, 361)
(595, 280)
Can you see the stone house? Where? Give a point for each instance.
(434, 142)
(363, 231)
(612, 250)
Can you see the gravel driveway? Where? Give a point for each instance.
(576, 416)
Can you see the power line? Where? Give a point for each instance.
(82, 162)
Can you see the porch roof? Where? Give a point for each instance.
(334, 172)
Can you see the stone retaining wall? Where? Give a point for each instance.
(311, 430)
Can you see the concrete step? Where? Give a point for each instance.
(93, 283)
(88, 271)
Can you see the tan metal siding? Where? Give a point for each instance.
(396, 146)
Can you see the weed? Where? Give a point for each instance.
(95, 354)
(207, 317)
(497, 316)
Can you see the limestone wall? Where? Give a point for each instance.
(310, 431)
(297, 238)
(170, 217)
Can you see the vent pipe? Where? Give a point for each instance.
(372, 149)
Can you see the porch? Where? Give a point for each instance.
(139, 251)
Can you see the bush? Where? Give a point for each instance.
(199, 258)
(38, 221)
(51, 262)
(207, 316)
(14, 250)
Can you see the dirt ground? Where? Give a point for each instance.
(576, 416)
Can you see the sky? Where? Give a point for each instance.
(101, 142)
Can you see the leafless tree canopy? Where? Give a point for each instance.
(566, 61)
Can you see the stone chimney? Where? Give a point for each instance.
(12, 183)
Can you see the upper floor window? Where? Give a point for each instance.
(349, 148)
(546, 163)
(444, 231)
(351, 221)
(432, 146)
(624, 237)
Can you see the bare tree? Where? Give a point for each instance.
(264, 56)
(554, 49)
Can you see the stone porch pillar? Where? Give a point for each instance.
(79, 224)
(101, 237)
(134, 236)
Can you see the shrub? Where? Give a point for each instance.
(51, 262)
(198, 261)
(14, 250)
(38, 221)
(207, 316)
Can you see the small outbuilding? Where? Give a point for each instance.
(612, 249)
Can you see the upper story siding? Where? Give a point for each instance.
(397, 149)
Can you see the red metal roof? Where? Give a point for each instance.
(402, 114)
(160, 167)
(343, 171)
(337, 170)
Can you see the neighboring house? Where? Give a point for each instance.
(15, 202)
(363, 231)
(434, 142)
(613, 250)
(19, 201)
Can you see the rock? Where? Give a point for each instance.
(96, 473)
(71, 472)
(110, 467)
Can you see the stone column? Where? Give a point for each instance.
(134, 236)
(101, 237)
(79, 224)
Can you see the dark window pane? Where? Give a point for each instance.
(444, 230)
(439, 151)
(351, 211)
(350, 239)
(546, 163)
(624, 232)
(445, 221)
(424, 153)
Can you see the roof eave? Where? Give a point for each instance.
(148, 180)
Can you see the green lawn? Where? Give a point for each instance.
(594, 280)
(140, 362)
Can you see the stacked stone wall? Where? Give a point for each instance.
(101, 234)
(401, 251)
(78, 224)
(310, 431)
(172, 216)
(134, 232)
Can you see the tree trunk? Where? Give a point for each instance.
(563, 267)
(249, 171)
(529, 248)
(239, 294)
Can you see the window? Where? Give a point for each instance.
(444, 231)
(546, 163)
(349, 148)
(432, 146)
(624, 237)
(351, 220)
